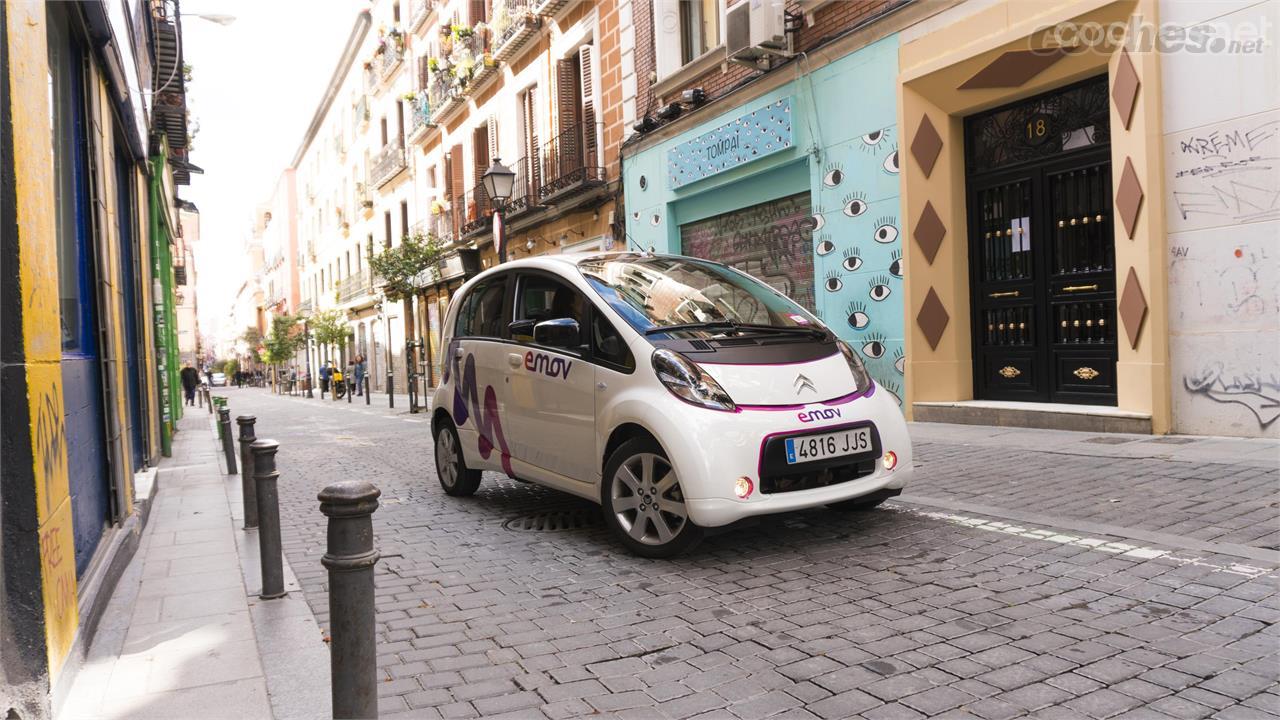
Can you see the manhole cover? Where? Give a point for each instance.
(1110, 440)
(555, 520)
(1171, 440)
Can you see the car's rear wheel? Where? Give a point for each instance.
(455, 477)
(644, 503)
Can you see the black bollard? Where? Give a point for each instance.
(208, 399)
(350, 559)
(269, 550)
(228, 447)
(351, 389)
(368, 397)
(391, 390)
(248, 482)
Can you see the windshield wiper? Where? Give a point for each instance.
(738, 327)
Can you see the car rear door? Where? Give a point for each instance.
(551, 402)
(481, 387)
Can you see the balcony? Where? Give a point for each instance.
(364, 200)
(442, 97)
(514, 25)
(549, 7)
(440, 224)
(524, 194)
(305, 307)
(419, 13)
(353, 287)
(476, 212)
(390, 163)
(571, 163)
(390, 55)
(420, 117)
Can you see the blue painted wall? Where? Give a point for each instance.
(845, 153)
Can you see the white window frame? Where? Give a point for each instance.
(667, 42)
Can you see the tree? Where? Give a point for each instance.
(400, 266)
(282, 342)
(329, 327)
(252, 338)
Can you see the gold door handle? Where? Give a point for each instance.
(1079, 288)
(1011, 293)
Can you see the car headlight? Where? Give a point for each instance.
(861, 377)
(688, 382)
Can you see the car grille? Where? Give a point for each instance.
(816, 478)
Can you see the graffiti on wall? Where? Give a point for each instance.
(769, 241)
(1225, 174)
(1259, 393)
(858, 252)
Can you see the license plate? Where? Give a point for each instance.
(828, 445)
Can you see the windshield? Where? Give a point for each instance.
(655, 292)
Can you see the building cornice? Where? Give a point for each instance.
(354, 42)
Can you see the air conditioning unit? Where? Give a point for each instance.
(756, 30)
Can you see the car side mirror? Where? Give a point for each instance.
(522, 327)
(559, 333)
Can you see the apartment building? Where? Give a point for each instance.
(426, 97)
(1008, 208)
(190, 346)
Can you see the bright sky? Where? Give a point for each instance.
(255, 85)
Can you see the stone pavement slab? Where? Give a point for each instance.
(956, 613)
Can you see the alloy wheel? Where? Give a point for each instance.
(647, 500)
(447, 458)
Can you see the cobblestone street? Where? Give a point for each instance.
(1056, 576)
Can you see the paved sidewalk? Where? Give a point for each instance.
(185, 635)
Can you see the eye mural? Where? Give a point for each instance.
(858, 255)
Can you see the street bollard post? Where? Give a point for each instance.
(350, 558)
(368, 397)
(248, 482)
(351, 389)
(269, 547)
(391, 389)
(228, 447)
(208, 399)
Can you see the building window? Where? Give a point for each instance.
(688, 29)
(404, 218)
(386, 222)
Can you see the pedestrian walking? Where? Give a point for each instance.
(190, 378)
(208, 375)
(359, 373)
(325, 374)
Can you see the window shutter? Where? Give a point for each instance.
(568, 104)
(587, 75)
(457, 183)
(533, 151)
(477, 12)
(493, 138)
(423, 72)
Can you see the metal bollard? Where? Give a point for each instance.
(351, 389)
(269, 549)
(248, 482)
(391, 390)
(350, 559)
(228, 449)
(208, 399)
(368, 396)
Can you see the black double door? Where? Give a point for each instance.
(1042, 262)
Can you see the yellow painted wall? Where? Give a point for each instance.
(38, 276)
(932, 65)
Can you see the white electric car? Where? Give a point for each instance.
(678, 393)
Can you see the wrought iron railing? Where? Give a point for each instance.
(513, 23)
(391, 55)
(571, 162)
(441, 93)
(389, 163)
(441, 225)
(352, 287)
(420, 117)
(305, 307)
(476, 211)
(421, 9)
(524, 194)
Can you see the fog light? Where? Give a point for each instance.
(742, 487)
(890, 460)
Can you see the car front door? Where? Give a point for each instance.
(551, 400)
(479, 406)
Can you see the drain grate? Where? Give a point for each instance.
(1110, 440)
(556, 520)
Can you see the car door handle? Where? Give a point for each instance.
(457, 352)
(602, 386)
(515, 360)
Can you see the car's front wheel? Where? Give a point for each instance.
(455, 477)
(644, 503)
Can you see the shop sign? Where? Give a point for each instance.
(759, 133)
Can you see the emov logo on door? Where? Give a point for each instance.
(466, 402)
(547, 365)
(819, 414)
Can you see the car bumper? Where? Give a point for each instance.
(718, 449)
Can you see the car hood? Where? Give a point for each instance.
(788, 384)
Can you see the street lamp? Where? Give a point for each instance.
(499, 180)
(306, 344)
(381, 309)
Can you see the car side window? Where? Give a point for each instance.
(480, 314)
(540, 298)
(607, 345)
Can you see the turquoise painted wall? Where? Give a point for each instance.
(845, 154)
